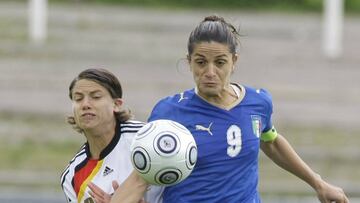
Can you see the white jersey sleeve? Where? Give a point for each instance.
(69, 192)
(68, 174)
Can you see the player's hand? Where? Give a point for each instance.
(102, 197)
(131, 190)
(99, 195)
(328, 193)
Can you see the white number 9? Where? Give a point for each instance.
(234, 140)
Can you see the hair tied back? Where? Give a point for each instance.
(214, 18)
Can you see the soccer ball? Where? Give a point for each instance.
(163, 152)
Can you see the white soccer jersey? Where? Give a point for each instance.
(114, 164)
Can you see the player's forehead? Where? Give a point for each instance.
(84, 86)
(211, 49)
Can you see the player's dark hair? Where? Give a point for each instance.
(214, 28)
(109, 81)
(102, 77)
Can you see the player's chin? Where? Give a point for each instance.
(210, 91)
(88, 125)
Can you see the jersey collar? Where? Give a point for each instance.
(109, 147)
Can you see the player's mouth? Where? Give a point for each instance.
(88, 115)
(209, 84)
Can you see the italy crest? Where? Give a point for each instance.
(256, 125)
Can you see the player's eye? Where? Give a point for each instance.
(77, 98)
(220, 63)
(200, 62)
(96, 96)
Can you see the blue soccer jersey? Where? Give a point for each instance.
(228, 143)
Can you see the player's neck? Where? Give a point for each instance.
(226, 99)
(99, 140)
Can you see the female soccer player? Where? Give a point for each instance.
(104, 160)
(230, 123)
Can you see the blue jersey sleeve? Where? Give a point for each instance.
(268, 108)
(160, 110)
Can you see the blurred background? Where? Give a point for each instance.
(316, 92)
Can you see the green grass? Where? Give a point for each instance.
(36, 142)
(31, 155)
(321, 136)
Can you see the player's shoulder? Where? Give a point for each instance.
(77, 159)
(258, 92)
(178, 98)
(129, 128)
(131, 124)
(80, 155)
(166, 106)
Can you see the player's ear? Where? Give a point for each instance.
(235, 57)
(117, 104)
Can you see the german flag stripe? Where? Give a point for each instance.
(88, 179)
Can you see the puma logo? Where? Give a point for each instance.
(202, 128)
(182, 97)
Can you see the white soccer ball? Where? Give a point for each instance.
(163, 152)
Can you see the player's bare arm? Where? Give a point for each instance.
(131, 191)
(281, 152)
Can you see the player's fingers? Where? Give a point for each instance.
(346, 200)
(93, 185)
(142, 201)
(101, 197)
(323, 200)
(115, 185)
(96, 190)
(342, 198)
(96, 198)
